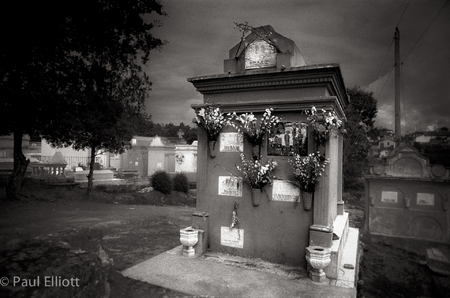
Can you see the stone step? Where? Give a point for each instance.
(349, 266)
(340, 229)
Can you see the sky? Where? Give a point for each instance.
(358, 35)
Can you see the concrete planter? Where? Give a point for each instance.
(212, 149)
(307, 200)
(189, 238)
(256, 196)
(318, 258)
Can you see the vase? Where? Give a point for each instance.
(318, 259)
(307, 200)
(256, 150)
(256, 196)
(189, 238)
(212, 149)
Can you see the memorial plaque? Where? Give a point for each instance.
(407, 167)
(288, 138)
(284, 191)
(230, 186)
(260, 54)
(389, 196)
(231, 142)
(425, 199)
(232, 237)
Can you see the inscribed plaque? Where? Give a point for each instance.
(389, 196)
(230, 186)
(231, 142)
(260, 54)
(425, 199)
(232, 237)
(285, 192)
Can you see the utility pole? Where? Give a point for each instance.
(398, 133)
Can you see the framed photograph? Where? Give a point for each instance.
(288, 138)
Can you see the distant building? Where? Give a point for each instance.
(438, 137)
(386, 145)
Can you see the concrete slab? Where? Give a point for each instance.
(204, 277)
(348, 266)
(438, 260)
(81, 176)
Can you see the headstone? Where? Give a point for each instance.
(57, 158)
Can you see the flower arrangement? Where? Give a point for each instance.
(213, 120)
(308, 169)
(254, 173)
(322, 129)
(246, 124)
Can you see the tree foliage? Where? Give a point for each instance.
(73, 72)
(360, 113)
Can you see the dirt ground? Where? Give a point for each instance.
(137, 226)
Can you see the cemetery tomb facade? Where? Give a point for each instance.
(408, 198)
(257, 76)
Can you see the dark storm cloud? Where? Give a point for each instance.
(355, 34)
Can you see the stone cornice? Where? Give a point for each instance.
(325, 102)
(328, 75)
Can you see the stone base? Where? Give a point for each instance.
(438, 261)
(200, 221)
(188, 251)
(317, 276)
(98, 175)
(320, 238)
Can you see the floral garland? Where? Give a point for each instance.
(213, 120)
(246, 124)
(322, 129)
(308, 170)
(254, 173)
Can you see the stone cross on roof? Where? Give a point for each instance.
(180, 133)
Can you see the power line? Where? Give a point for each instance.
(385, 82)
(425, 31)
(381, 66)
(403, 13)
(392, 41)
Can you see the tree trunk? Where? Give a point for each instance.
(20, 167)
(90, 176)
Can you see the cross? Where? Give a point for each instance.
(180, 134)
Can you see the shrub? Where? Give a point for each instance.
(180, 182)
(161, 181)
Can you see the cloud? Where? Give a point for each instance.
(355, 34)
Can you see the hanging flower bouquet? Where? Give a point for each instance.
(255, 174)
(213, 120)
(322, 129)
(308, 170)
(246, 124)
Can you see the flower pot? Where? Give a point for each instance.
(212, 149)
(307, 200)
(256, 196)
(256, 151)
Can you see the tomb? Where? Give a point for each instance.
(407, 201)
(266, 75)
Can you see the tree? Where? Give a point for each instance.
(360, 113)
(74, 73)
